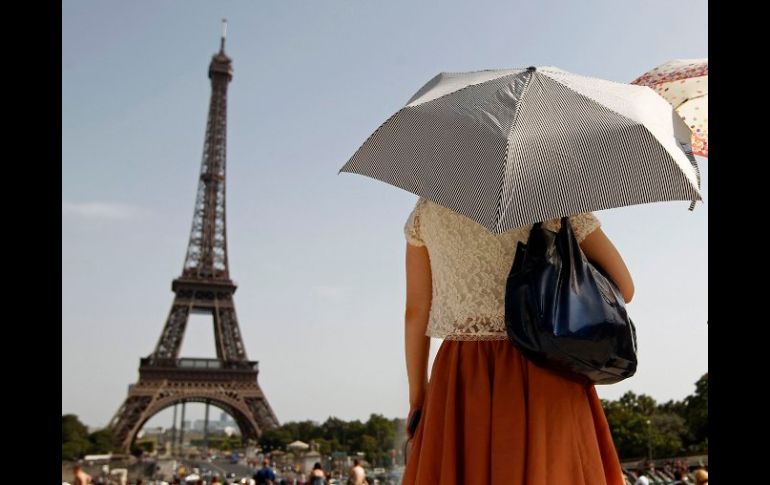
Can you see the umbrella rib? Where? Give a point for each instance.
(370, 136)
(429, 101)
(691, 159)
(466, 87)
(500, 202)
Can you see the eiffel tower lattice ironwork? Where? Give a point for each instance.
(230, 380)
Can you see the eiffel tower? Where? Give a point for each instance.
(230, 380)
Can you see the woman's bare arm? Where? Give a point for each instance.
(419, 291)
(599, 250)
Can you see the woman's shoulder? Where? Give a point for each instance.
(582, 224)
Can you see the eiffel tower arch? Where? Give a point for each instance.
(230, 380)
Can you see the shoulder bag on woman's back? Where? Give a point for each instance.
(564, 314)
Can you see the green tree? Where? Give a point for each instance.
(140, 447)
(673, 407)
(383, 429)
(375, 438)
(275, 439)
(675, 427)
(334, 445)
(72, 429)
(696, 415)
(354, 432)
(642, 404)
(74, 437)
(367, 444)
(668, 431)
(324, 445)
(629, 428)
(101, 441)
(231, 443)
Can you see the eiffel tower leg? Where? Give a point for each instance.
(263, 413)
(173, 434)
(181, 434)
(243, 400)
(226, 331)
(132, 414)
(206, 429)
(170, 340)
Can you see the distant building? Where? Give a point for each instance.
(156, 431)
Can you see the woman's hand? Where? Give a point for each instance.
(412, 420)
(416, 402)
(599, 250)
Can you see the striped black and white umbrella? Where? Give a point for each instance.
(511, 147)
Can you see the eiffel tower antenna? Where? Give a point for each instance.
(224, 36)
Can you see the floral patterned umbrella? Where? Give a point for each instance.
(684, 84)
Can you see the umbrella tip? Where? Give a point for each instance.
(531, 69)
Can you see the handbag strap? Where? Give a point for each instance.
(570, 247)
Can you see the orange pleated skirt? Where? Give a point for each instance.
(491, 417)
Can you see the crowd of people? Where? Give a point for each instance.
(263, 476)
(677, 476)
(317, 476)
(674, 473)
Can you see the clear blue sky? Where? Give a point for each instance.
(319, 258)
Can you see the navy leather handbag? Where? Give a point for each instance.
(563, 313)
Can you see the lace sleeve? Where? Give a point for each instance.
(412, 226)
(582, 224)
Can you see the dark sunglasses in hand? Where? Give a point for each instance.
(412, 427)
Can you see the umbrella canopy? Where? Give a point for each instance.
(511, 147)
(684, 84)
(299, 445)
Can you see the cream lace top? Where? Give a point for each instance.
(469, 267)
